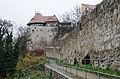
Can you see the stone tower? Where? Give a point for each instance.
(42, 30)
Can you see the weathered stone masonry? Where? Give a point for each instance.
(98, 39)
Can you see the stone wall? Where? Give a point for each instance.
(40, 36)
(52, 52)
(99, 37)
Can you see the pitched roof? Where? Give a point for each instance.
(86, 8)
(51, 18)
(89, 6)
(38, 18)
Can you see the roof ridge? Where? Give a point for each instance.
(88, 4)
(38, 18)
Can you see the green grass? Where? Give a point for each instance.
(88, 68)
(93, 69)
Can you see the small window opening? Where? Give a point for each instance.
(33, 30)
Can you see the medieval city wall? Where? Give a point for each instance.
(98, 37)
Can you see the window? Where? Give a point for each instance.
(48, 25)
(41, 30)
(33, 30)
(40, 24)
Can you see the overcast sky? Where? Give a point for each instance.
(21, 11)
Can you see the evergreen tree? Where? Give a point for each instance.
(2, 52)
(9, 51)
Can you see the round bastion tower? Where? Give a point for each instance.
(42, 30)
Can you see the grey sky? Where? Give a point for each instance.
(21, 11)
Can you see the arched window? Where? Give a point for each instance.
(86, 60)
(37, 35)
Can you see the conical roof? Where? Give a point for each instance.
(38, 18)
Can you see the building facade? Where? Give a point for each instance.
(42, 30)
(86, 8)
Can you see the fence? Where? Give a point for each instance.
(90, 72)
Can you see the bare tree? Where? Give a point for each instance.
(72, 16)
(24, 37)
(68, 21)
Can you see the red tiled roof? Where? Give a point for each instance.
(38, 18)
(51, 18)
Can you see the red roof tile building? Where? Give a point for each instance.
(45, 20)
(42, 31)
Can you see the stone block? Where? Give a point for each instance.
(115, 12)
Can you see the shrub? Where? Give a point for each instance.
(31, 67)
(30, 60)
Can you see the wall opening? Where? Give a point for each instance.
(75, 61)
(86, 60)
